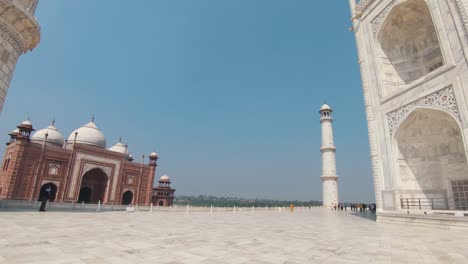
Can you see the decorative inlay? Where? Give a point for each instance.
(444, 98)
(377, 21)
(54, 169)
(130, 179)
(463, 10)
(11, 38)
(362, 5)
(375, 157)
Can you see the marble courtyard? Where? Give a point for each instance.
(306, 236)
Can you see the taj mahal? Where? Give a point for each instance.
(413, 61)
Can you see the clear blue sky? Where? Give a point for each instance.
(227, 92)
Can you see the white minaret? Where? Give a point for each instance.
(329, 178)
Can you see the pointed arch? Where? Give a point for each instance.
(409, 44)
(430, 155)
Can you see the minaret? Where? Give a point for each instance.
(329, 178)
(19, 33)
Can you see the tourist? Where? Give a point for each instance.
(44, 198)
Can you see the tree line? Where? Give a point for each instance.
(208, 200)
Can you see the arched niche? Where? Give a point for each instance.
(409, 43)
(430, 155)
(127, 198)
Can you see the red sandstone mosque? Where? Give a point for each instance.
(79, 169)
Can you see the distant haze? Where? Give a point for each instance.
(227, 92)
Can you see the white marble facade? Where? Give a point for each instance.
(412, 55)
(19, 33)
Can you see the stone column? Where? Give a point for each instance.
(329, 178)
(19, 33)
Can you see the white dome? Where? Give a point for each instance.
(88, 134)
(325, 107)
(119, 147)
(154, 154)
(164, 178)
(26, 123)
(54, 136)
(15, 131)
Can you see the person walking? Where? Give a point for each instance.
(44, 198)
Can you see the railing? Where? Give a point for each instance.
(22, 205)
(433, 204)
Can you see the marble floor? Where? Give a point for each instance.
(310, 236)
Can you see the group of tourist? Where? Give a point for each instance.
(340, 206)
(356, 207)
(361, 207)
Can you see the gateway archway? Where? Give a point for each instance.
(431, 158)
(93, 186)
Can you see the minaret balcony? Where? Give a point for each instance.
(327, 149)
(323, 119)
(329, 177)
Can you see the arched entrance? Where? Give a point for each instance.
(127, 198)
(48, 190)
(161, 203)
(93, 186)
(431, 157)
(85, 195)
(409, 43)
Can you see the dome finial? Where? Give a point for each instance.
(53, 122)
(92, 118)
(120, 139)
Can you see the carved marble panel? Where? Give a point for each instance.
(444, 98)
(362, 5)
(377, 21)
(463, 9)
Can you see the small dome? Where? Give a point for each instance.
(165, 178)
(54, 137)
(119, 147)
(26, 123)
(325, 107)
(15, 131)
(153, 155)
(88, 134)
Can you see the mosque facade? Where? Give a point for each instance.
(77, 170)
(414, 69)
